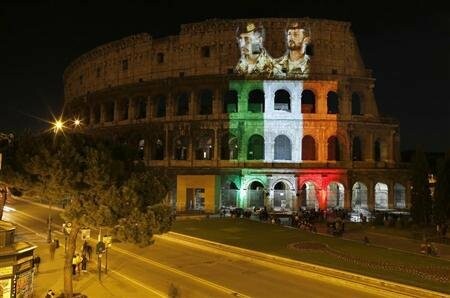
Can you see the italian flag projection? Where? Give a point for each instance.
(265, 126)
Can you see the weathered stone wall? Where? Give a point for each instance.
(138, 58)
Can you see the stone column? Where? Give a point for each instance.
(391, 199)
(370, 195)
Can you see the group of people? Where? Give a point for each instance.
(255, 60)
(80, 261)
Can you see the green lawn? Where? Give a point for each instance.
(274, 239)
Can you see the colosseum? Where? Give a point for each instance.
(252, 112)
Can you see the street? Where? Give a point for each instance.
(194, 272)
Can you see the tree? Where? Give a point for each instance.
(420, 192)
(441, 207)
(105, 186)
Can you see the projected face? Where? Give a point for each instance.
(250, 44)
(296, 39)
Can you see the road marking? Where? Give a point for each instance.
(164, 267)
(150, 289)
(182, 273)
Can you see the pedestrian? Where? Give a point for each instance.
(50, 294)
(78, 261)
(52, 249)
(36, 262)
(84, 263)
(74, 265)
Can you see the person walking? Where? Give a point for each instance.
(37, 261)
(74, 265)
(52, 249)
(84, 263)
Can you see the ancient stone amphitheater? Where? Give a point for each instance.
(226, 108)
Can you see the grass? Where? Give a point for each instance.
(274, 239)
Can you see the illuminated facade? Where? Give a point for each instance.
(274, 112)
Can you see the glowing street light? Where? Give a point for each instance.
(76, 123)
(58, 126)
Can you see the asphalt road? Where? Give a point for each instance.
(195, 272)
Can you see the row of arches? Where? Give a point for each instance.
(284, 197)
(139, 107)
(230, 148)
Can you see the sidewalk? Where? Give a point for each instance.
(51, 276)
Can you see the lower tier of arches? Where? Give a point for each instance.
(290, 190)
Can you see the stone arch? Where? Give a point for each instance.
(205, 104)
(140, 107)
(381, 196)
(377, 150)
(282, 195)
(399, 196)
(181, 148)
(335, 195)
(256, 101)
(229, 195)
(308, 101)
(229, 147)
(160, 106)
(357, 149)
(255, 148)
(309, 197)
(255, 194)
(308, 148)
(282, 100)
(360, 198)
(157, 148)
(332, 103)
(123, 106)
(182, 104)
(230, 102)
(204, 146)
(356, 104)
(282, 148)
(333, 148)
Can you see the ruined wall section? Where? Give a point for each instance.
(207, 48)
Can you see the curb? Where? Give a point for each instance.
(317, 269)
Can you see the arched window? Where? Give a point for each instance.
(158, 149)
(160, 106)
(282, 101)
(332, 103)
(308, 102)
(109, 111)
(377, 151)
(97, 114)
(256, 101)
(141, 149)
(255, 148)
(282, 148)
(356, 149)
(356, 104)
(334, 148)
(229, 147)
(140, 108)
(308, 196)
(182, 104)
(308, 148)
(230, 102)
(206, 102)
(181, 147)
(123, 109)
(205, 147)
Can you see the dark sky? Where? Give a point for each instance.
(405, 43)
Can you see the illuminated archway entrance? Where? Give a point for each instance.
(229, 195)
(255, 194)
(359, 198)
(381, 196)
(308, 196)
(282, 196)
(399, 196)
(335, 195)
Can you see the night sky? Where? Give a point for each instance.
(407, 45)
